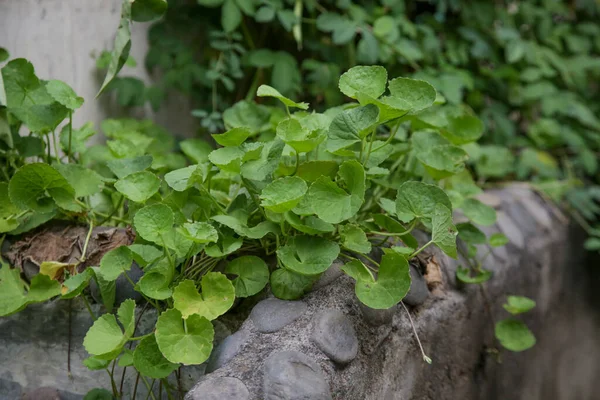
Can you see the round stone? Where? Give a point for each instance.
(418, 292)
(329, 276)
(226, 350)
(272, 314)
(376, 317)
(334, 335)
(291, 375)
(222, 388)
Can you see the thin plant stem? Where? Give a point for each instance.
(149, 387)
(297, 163)
(425, 357)
(370, 146)
(70, 135)
(390, 138)
(137, 380)
(89, 308)
(421, 249)
(55, 146)
(87, 241)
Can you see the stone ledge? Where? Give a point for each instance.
(329, 346)
(453, 323)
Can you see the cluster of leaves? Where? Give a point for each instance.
(528, 69)
(301, 188)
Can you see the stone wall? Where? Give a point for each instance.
(327, 346)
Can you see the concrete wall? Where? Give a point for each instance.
(62, 39)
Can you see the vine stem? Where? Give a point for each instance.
(70, 135)
(421, 249)
(89, 308)
(412, 324)
(390, 138)
(87, 241)
(370, 147)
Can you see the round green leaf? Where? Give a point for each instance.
(411, 94)
(518, 304)
(200, 232)
(105, 339)
(187, 341)
(470, 234)
(150, 362)
(115, 262)
(64, 94)
(216, 298)
(283, 194)
(153, 221)
(84, 181)
(355, 239)
(437, 153)
(233, 137)
(370, 80)
(98, 394)
(514, 335)
(147, 10)
(310, 225)
(184, 178)
(333, 204)
(299, 137)
(144, 254)
(498, 240)
(392, 284)
(478, 212)
(350, 127)
(126, 166)
(310, 171)
(227, 158)
(75, 284)
(443, 232)
(288, 285)
(465, 275)
(463, 129)
(268, 91)
(252, 275)
(139, 186)
(38, 186)
(308, 255)
(418, 199)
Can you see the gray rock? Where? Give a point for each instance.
(418, 292)
(329, 276)
(227, 350)
(334, 334)
(124, 290)
(512, 231)
(43, 393)
(219, 388)
(190, 374)
(538, 212)
(9, 390)
(376, 317)
(291, 375)
(221, 332)
(272, 314)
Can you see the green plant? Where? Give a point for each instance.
(528, 69)
(305, 188)
(288, 191)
